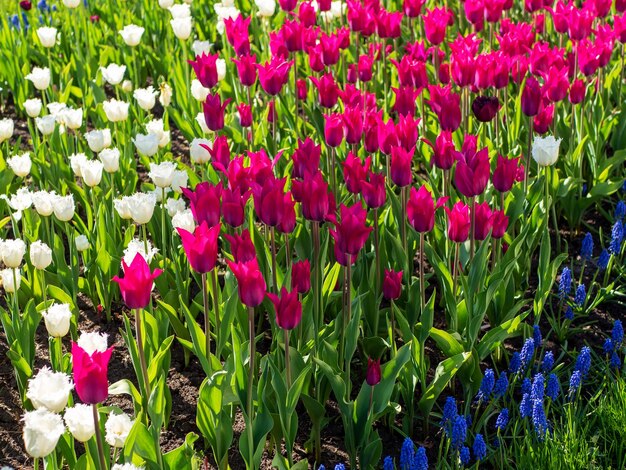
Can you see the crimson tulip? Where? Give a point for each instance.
(233, 205)
(531, 97)
(445, 154)
(246, 67)
(245, 114)
(351, 233)
(334, 130)
(472, 169)
(237, 34)
(436, 21)
(392, 284)
(458, 222)
(201, 246)
(374, 374)
(405, 100)
(241, 247)
(287, 222)
(136, 285)
(273, 75)
(205, 202)
(355, 171)
(301, 276)
(500, 224)
(373, 190)
(353, 122)
(421, 209)
(316, 199)
(205, 67)
(328, 90)
(220, 153)
(288, 308)
(213, 110)
(505, 174)
(306, 158)
(268, 200)
(250, 282)
(484, 221)
(90, 374)
(446, 105)
(401, 166)
(485, 108)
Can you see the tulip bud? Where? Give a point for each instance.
(33, 107)
(42, 430)
(146, 97)
(137, 283)
(12, 252)
(373, 375)
(11, 279)
(117, 428)
(113, 73)
(392, 284)
(531, 97)
(458, 222)
(82, 243)
(57, 319)
(301, 276)
(6, 129)
(110, 159)
(131, 34)
(49, 390)
(20, 164)
(116, 111)
(288, 309)
(201, 246)
(40, 77)
(250, 282)
(40, 255)
(545, 150)
(147, 144)
(64, 207)
(79, 420)
(47, 36)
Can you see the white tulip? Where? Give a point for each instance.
(77, 161)
(20, 201)
(82, 243)
(198, 91)
(92, 172)
(46, 124)
(11, 279)
(47, 36)
(49, 390)
(132, 34)
(71, 3)
(42, 431)
(113, 73)
(202, 123)
(545, 150)
(6, 129)
(181, 28)
(20, 164)
(220, 65)
(147, 144)
(127, 86)
(42, 200)
(93, 341)
(40, 255)
(201, 47)
(117, 428)
(116, 111)
(141, 207)
(197, 152)
(98, 139)
(64, 207)
(180, 10)
(146, 97)
(110, 158)
(33, 107)
(135, 247)
(266, 7)
(184, 220)
(122, 207)
(156, 127)
(55, 107)
(165, 97)
(174, 206)
(79, 420)
(179, 181)
(40, 77)
(12, 252)
(57, 319)
(165, 4)
(162, 174)
(69, 117)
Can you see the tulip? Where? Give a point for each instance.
(201, 246)
(220, 154)
(40, 255)
(205, 202)
(12, 252)
(373, 191)
(113, 73)
(233, 206)
(98, 140)
(435, 23)
(42, 430)
(20, 164)
(402, 166)
(146, 97)
(246, 67)
(542, 122)
(287, 222)
(373, 375)
(137, 283)
(116, 111)
(268, 201)
(446, 105)
(458, 222)
(531, 97)
(82, 243)
(205, 67)
(131, 34)
(355, 172)
(184, 219)
(334, 130)
(273, 75)
(57, 319)
(213, 110)
(117, 428)
(181, 27)
(288, 308)
(301, 276)
(328, 90)
(11, 280)
(404, 104)
(545, 150)
(577, 91)
(500, 224)
(392, 284)
(241, 247)
(352, 232)
(79, 420)
(198, 150)
(40, 77)
(315, 196)
(91, 171)
(64, 207)
(6, 129)
(306, 158)
(484, 221)
(90, 374)
(245, 115)
(421, 209)
(237, 34)
(162, 174)
(32, 107)
(485, 108)
(45, 124)
(472, 169)
(504, 175)
(47, 36)
(250, 282)
(93, 341)
(49, 390)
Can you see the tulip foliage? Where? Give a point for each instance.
(320, 205)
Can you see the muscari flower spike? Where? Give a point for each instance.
(406, 454)
(388, 463)
(548, 362)
(583, 361)
(586, 250)
(526, 386)
(565, 283)
(603, 260)
(503, 419)
(574, 382)
(464, 456)
(525, 406)
(537, 338)
(528, 350)
(608, 347)
(617, 235)
(569, 313)
(420, 462)
(538, 387)
(620, 210)
(479, 448)
(617, 335)
(449, 412)
(501, 386)
(515, 364)
(581, 295)
(540, 422)
(486, 385)
(459, 432)
(553, 388)
(615, 362)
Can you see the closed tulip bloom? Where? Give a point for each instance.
(401, 166)
(504, 176)
(47, 36)
(233, 206)
(117, 429)
(40, 255)
(246, 68)
(237, 34)
(373, 190)
(42, 430)
(273, 75)
(11, 280)
(184, 220)
(198, 152)
(205, 202)
(288, 308)
(334, 130)
(205, 67)
(250, 282)
(57, 319)
(6, 129)
(392, 284)
(500, 224)
(137, 283)
(245, 114)
(90, 374)
(162, 174)
(93, 341)
(113, 73)
(436, 22)
(268, 201)
(98, 139)
(32, 107)
(301, 276)
(531, 97)
(485, 108)
(404, 104)
(201, 246)
(306, 158)
(40, 77)
(91, 171)
(328, 90)
(49, 390)
(147, 144)
(373, 375)
(45, 124)
(12, 252)
(43, 202)
(446, 105)
(421, 209)
(458, 222)
(445, 153)
(355, 172)
(542, 122)
(241, 247)
(213, 110)
(131, 34)
(545, 150)
(82, 243)
(116, 111)
(20, 164)
(472, 169)
(110, 159)
(314, 195)
(577, 91)
(141, 206)
(484, 220)
(146, 97)
(79, 420)
(351, 232)
(138, 247)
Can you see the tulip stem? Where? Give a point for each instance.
(145, 238)
(403, 202)
(207, 323)
(422, 281)
(287, 253)
(472, 227)
(163, 231)
(348, 318)
(530, 144)
(94, 409)
(15, 298)
(377, 253)
(455, 268)
(287, 363)
(250, 382)
(273, 247)
(216, 304)
(251, 114)
(392, 316)
(142, 355)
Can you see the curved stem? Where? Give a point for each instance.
(94, 409)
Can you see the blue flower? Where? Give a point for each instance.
(620, 210)
(540, 422)
(502, 384)
(608, 346)
(617, 235)
(503, 419)
(617, 335)
(421, 460)
(525, 406)
(515, 364)
(464, 456)
(406, 454)
(553, 387)
(615, 362)
(548, 362)
(574, 382)
(537, 336)
(526, 386)
(321, 467)
(565, 283)
(388, 463)
(586, 250)
(583, 361)
(340, 466)
(528, 350)
(449, 412)
(569, 313)
(581, 294)
(496, 443)
(486, 385)
(479, 448)
(537, 388)
(603, 260)
(459, 432)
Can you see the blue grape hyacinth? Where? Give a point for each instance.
(583, 361)
(548, 362)
(553, 388)
(501, 386)
(615, 362)
(526, 385)
(525, 406)
(586, 250)
(540, 422)
(527, 353)
(569, 313)
(581, 295)
(449, 413)
(538, 387)
(617, 335)
(407, 453)
(420, 460)
(479, 448)
(574, 382)
(620, 210)
(537, 338)
(503, 419)
(459, 432)
(464, 456)
(603, 260)
(515, 364)
(388, 463)
(340, 466)
(608, 346)
(565, 283)
(617, 235)
(486, 385)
